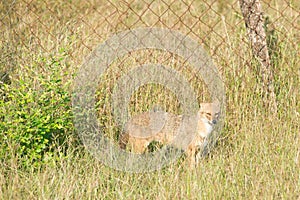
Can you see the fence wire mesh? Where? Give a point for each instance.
(39, 27)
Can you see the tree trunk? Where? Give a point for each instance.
(253, 16)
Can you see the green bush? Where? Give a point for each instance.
(37, 115)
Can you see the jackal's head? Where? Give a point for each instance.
(210, 112)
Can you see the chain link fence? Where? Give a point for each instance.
(47, 27)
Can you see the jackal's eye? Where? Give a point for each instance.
(208, 114)
(217, 115)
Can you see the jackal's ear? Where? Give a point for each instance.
(216, 102)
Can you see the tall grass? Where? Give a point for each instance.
(257, 155)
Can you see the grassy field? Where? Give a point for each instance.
(43, 43)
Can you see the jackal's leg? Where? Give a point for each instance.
(191, 159)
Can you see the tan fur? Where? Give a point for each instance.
(163, 127)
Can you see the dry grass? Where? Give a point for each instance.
(258, 154)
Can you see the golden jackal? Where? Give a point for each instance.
(163, 127)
